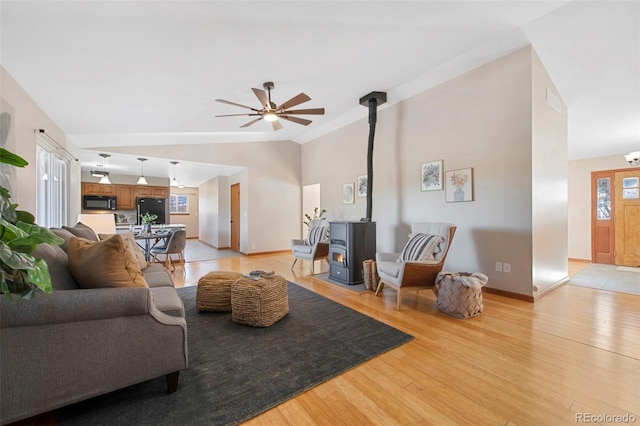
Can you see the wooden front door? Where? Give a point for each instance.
(235, 217)
(627, 218)
(602, 229)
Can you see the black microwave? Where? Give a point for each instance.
(99, 202)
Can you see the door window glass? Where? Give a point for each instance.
(603, 201)
(630, 188)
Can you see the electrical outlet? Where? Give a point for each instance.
(498, 266)
(506, 267)
(253, 246)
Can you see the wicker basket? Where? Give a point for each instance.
(460, 293)
(259, 303)
(214, 291)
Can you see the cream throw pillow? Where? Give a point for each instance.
(107, 263)
(130, 239)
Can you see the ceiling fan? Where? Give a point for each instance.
(271, 112)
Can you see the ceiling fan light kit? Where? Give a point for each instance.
(633, 158)
(272, 112)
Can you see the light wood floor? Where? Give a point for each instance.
(575, 351)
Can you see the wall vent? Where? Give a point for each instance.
(554, 100)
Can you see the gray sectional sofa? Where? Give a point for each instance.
(75, 343)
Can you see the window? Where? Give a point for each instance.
(52, 188)
(178, 204)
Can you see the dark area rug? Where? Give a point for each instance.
(357, 288)
(237, 372)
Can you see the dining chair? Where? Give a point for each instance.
(175, 245)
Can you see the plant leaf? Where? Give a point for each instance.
(25, 217)
(7, 211)
(8, 157)
(14, 259)
(40, 276)
(37, 234)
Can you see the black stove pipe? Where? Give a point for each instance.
(372, 100)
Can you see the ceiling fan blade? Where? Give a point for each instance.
(302, 121)
(263, 98)
(319, 111)
(235, 115)
(276, 125)
(233, 103)
(296, 100)
(251, 122)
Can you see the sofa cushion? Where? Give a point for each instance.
(156, 276)
(130, 239)
(166, 299)
(302, 249)
(83, 231)
(389, 268)
(56, 259)
(421, 247)
(108, 263)
(65, 235)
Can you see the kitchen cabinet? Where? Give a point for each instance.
(126, 197)
(93, 188)
(152, 191)
(126, 194)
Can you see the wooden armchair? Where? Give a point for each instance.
(407, 275)
(315, 247)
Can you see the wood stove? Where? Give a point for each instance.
(350, 243)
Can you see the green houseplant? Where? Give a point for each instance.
(22, 273)
(317, 215)
(147, 219)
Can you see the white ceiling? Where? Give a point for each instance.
(116, 73)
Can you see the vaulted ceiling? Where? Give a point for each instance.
(147, 72)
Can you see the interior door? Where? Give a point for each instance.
(602, 229)
(235, 217)
(627, 218)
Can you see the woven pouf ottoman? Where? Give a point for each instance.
(214, 291)
(460, 293)
(259, 303)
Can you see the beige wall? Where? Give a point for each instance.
(27, 116)
(549, 184)
(191, 220)
(214, 212)
(579, 172)
(482, 119)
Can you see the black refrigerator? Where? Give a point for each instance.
(152, 206)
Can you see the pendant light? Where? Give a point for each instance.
(142, 180)
(105, 177)
(174, 182)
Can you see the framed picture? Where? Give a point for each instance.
(347, 193)
(362, 186)
(459, 185)
(431, 176)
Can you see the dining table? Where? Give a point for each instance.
(157, 235)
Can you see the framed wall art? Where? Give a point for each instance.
(459, 185)
(362, 186)
(431, 176)
(348, 193)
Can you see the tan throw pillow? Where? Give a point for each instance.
(100, 264)
(130, 239)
